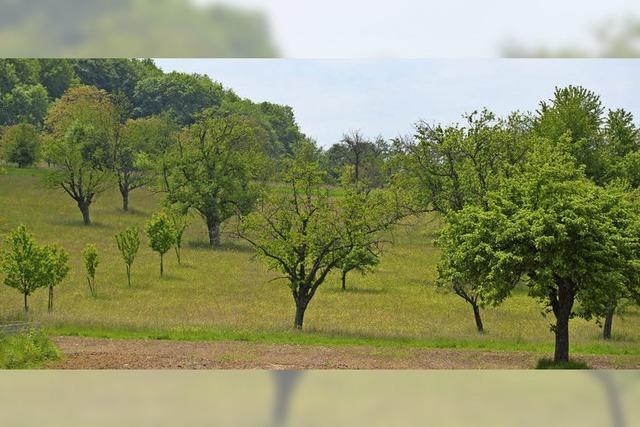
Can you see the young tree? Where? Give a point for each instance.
(80, 131)
(128, 244)
(28, 266)
(91, 261)
(569, 240)
(161, 234)
(56, 268)
(23, 264)
(180, 223)
(302, 233)
(215, 163)
(21, 144)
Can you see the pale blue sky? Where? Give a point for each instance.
(386, 97)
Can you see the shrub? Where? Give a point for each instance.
(26, 350)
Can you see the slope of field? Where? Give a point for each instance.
(226, 293)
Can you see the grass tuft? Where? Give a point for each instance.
(26, 350)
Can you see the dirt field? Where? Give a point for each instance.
(98, 353)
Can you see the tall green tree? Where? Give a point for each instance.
(214, 166)
(134, 143)
(303, 232)
(569, 240)
(451, 167)
(80, 133)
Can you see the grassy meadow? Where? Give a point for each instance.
(228, 294)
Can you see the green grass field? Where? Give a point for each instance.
(227, 294)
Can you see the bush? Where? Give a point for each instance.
(21, 144)
(547, 363)
(26, 350)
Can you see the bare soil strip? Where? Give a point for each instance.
(102, 353)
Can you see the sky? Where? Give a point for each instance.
(431, 28)
(387, 97)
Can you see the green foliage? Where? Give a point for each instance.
(21, 144)
(304, 234)
(162, 235)
(571, 240)
(213, 169)
(91, 262)
(26, 350)
(128, 243)
(140, 142)
(81, 127)
(546, 363)
(180, 95)
(28, 266)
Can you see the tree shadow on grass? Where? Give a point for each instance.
(361, 291)
(80, 224)
(226, 246)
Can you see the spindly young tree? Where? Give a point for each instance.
(21, 144)
(567, 239)
(128, 244)
(161, 234)
(80, 132)
(56, 267)
(216, 160)
(302, 232)
(180, 223)
(91, 261)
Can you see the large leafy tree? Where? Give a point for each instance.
(212, 169)
(450, 168)
(569, 240)
(304, 232)
(606, 144)
(80, 133)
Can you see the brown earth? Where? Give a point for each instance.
(102, 353)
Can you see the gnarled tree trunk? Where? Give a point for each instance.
(301, 307)
(478, 318)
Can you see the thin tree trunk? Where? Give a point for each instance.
(476, 314)
(344, 280)
(129, 275)
(177, 248)
(213, 227)
(50, 305)
(608, 323)
(84, 208)
(161, 265)
(26, 305)
(300, 309)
